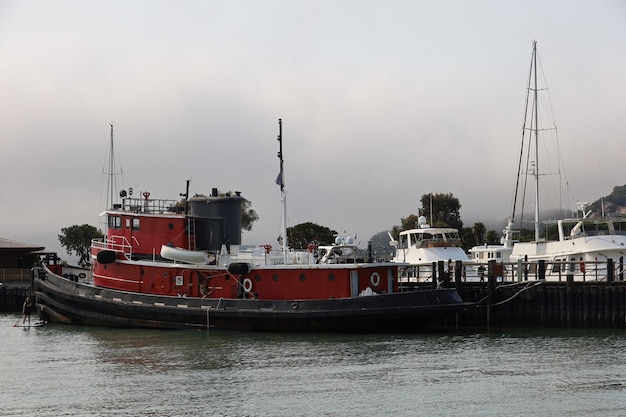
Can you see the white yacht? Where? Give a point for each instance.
(584, 251)
(482, 254)
(424, 246)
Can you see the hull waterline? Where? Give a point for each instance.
(64, 301)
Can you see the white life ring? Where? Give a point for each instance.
(375, 279)
(247, 285)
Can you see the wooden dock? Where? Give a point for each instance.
(533, 301)
(544, 304)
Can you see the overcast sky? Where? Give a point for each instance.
(381, 102)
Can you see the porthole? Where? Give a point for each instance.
(302, 277)
(274, 277)
(331, 277)
(257, 277)
(171, 226)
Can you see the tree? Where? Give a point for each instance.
(492, 237)
(78, 239)
(446, 210)
(467, 238)
(618, 196)
(446, 213)
(300, 235)
(409, 222)
(479, 231)
(406, 223)
(248, 216)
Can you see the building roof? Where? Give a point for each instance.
(8, 244)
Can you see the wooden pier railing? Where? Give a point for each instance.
(535, 299)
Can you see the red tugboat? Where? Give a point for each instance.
(163, 264)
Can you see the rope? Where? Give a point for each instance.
(528, 286)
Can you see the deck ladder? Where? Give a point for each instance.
(191, 233)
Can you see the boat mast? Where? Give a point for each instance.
(280, 180)
(111, 189)
(536, 130)
(111, 171)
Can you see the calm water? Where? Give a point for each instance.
(78, 371)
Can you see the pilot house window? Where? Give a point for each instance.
(115, 222)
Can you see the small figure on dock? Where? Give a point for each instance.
(481, 273)
(26, 310)
(582, 268)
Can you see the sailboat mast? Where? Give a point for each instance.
(536, 171)
(283, 194)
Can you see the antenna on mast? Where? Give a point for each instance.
(280, 180)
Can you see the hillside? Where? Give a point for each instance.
(612, 205)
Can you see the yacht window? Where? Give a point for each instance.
(135, 224)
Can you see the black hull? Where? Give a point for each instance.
(63, 301)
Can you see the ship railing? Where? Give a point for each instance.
(576, 270)
(150, 205)
(440, 271)
(276, 256)
(116, 243)
(348, 255)
(294, 257)
(520, 271)
(602, 232)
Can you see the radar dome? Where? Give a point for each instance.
(422, 223)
